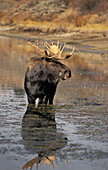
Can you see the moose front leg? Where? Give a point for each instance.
(51, 95)
(43, 100)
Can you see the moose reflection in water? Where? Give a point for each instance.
(40, 136)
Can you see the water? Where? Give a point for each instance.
(72, 134)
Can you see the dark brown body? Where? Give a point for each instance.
(42, 77)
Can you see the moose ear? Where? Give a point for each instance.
(68, 55)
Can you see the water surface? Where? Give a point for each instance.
(72, 134)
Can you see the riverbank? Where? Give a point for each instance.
(78, 20)
(89, 32)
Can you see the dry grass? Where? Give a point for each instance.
(78, 15)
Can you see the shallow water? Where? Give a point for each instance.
(72, 134)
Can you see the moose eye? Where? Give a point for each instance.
(65, 72)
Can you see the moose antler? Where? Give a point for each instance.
(70, 54)
(48, 160)
(56, 52)
(31, 163)
(38, 50)
(52, 51)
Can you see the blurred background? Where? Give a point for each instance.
(55, 16)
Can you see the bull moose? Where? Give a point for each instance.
(43, 73)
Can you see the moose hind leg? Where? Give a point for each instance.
(46, 99)
(41, 100)
(31, 100)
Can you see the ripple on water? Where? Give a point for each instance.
(73, 132)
